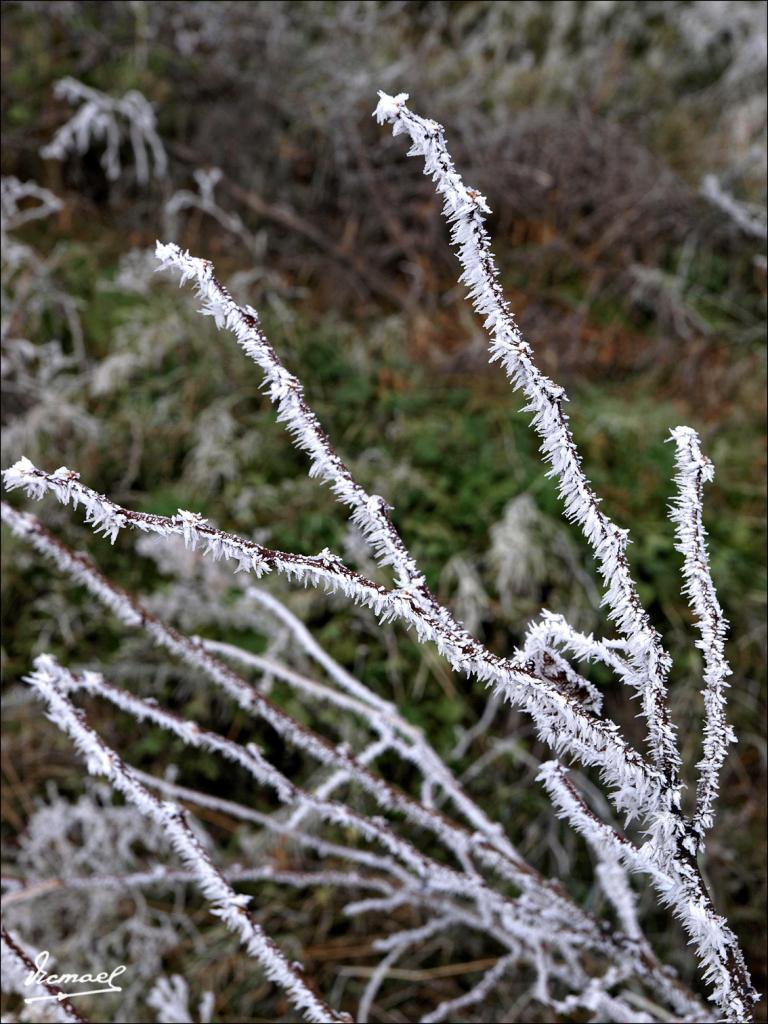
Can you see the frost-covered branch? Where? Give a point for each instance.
(748, 217)
(108, 518)
(672, 843)
(524, 925)
(17, 891)
(281, 827)
(133, 614)
(15, 211)
(448, 1009)
(561, 720)
(489, 846)
(370, 511)
(465, 209)
(615, 885)
(103, 118)
(205, 201)
(405, 738)
(680, 888)
(65, 485)
(554, 631)
(693, 471)
(539, 650)
(51, 682)
(424, 849)
(251, 760)
(170, 1000)
(542, 911)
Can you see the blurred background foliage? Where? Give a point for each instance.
(591, 128)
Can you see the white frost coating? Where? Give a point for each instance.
(748, 217)
(648, 663)
(189, 732)
(526, 917)
(370, 511)
(500, 856)
(204, 200)
(362, 708)
(412, 744)
(615, 884)
(12, 192)
(693, 471)
(491, 848)
(161, 875)
(464, 209)
(476, 994)
(130, 612)
(104, 118)
(540, 650)
(642, 661)
(169, 998)
(395, 946)
(51, 683)
(265, 773)
(541, 915)
(562, 722)
(101, 762)
(679, 887)
(469, 884)
(321, 846)
(63, 483)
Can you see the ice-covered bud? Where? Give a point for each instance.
(389, 107)
(19, 474)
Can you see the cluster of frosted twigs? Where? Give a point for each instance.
(101, 118)
(479, 883)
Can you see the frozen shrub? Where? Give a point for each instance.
(426, 848)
